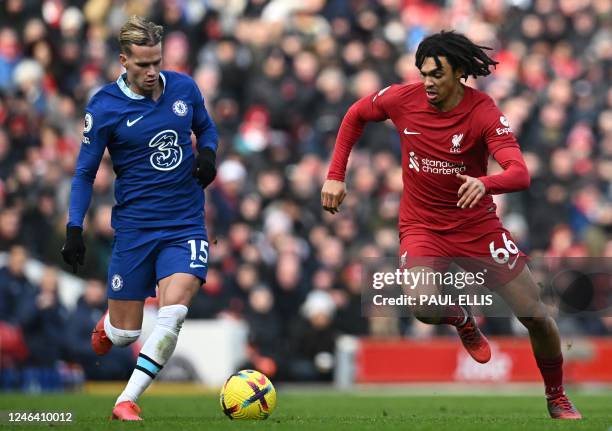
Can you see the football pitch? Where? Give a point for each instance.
(320, 410)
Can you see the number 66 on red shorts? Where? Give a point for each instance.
(482, 246)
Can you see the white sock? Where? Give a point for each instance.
(120, 337)
(156, 351)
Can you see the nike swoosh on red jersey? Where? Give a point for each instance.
(407, 132)
(511, 267)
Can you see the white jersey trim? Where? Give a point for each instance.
(129, 93)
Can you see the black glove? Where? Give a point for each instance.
(204, 169)
(73, 250)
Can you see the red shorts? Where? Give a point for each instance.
(482, 246)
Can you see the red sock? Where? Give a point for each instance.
(454, 315)
(552, 373)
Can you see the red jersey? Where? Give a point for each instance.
(435, 147)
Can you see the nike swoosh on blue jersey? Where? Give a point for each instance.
(131, 123)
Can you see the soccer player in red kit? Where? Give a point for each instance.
(447, 132)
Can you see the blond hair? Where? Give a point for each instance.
(139, 31)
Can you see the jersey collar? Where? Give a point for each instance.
(129, 93)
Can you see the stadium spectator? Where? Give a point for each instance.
(42, 318)
(266, 347)
(312, 339)
(14, 286)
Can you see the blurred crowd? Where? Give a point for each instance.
(278, 76)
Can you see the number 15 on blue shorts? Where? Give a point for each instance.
(142, 257)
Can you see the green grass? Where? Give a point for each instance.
(321, 410)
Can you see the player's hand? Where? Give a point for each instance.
(204, 167)
(332, 195)
(470, 192)
(73, 250)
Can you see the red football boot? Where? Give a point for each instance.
(474, 342)
(562, 408)
(100, 343)
(126, 411)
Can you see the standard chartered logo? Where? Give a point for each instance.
(432, 166)
(414, 162)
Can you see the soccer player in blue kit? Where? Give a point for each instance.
(145, 120)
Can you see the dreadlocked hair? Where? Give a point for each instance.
(460, 52)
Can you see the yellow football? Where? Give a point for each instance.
(248, 394)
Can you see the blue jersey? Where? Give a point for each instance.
(150, 146)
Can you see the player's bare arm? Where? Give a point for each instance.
(332, 195)
(470, 192)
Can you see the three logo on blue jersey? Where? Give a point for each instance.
(169, 153)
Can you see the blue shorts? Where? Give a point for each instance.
(142, 257)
